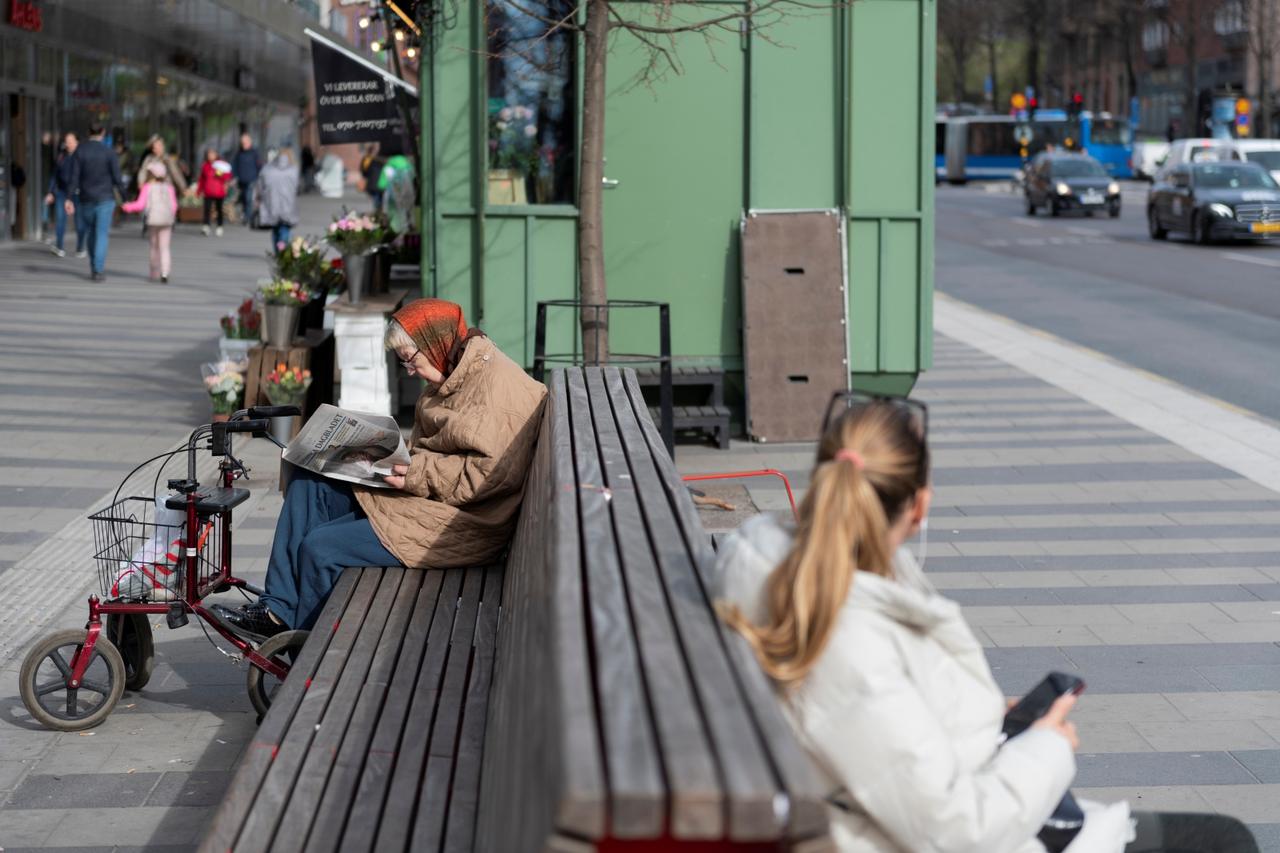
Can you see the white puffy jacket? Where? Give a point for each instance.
(902, 716)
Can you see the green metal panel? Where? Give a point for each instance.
(889, 78)
(827, 108)
(795, 114)
(677, 149)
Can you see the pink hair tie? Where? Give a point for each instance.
(847, 455)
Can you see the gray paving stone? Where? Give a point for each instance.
(198, 788)
(1267, 835)
(1206, 735)
(1163, 768)
(83, 790)
(1242, 677)
(1149, 798)
(1111, 472)
(1184, 655)
(1263, 763)
(1256, 803)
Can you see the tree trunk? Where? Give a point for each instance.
(1192, 74)
(991, 72)
(1266, 34)
(592, 290)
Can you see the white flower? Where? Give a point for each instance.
(506, 113)
(530, 130)
(502, 125)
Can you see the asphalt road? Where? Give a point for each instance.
(1207, 317)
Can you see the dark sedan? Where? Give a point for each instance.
(1215, 201)
(1063, 182)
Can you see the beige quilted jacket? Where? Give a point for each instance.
(471, 447)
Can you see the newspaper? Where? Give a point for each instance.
(346, 445)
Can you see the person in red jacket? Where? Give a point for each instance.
(214, 176)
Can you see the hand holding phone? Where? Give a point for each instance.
(1036, 704)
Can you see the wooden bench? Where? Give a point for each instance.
(603, 706)
(699, 397)
(373, 742)
(623, 711)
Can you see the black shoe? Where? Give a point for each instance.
(97, 277)
(164, 279)
(252, 619)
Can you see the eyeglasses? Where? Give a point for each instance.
(409, 365)
(916, 411)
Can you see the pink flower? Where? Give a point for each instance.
(530, 130)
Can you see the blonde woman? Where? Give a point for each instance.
(885, 684)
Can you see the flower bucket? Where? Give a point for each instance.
(282, 429)
(355, 267)
(280, 324)
(236, 349)
(506, 186)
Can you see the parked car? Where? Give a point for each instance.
(1063, 182)
(1147, 156)
(1264, 152)
(1195, 150)
(1215, 201)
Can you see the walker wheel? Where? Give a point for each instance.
(46, 670)
(130, 633)
(282, 649)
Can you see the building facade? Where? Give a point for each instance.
(198, 73)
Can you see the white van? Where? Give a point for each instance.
(1264, 152)
(1195, 151)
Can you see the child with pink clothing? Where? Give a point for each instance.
(158, 204)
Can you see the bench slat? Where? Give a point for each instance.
(697, 800)
(542, 711)
(465, 792)
(433, 795)
(807, 812)
(257, 760)
(375, 776)
(397, 814)
(299, 812)
(637, 793)
(340, 790)
(746, 769)
(259, 826)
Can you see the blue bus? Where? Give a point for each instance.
(994, 146)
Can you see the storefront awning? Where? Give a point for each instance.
(355, 99)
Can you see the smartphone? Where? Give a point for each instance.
(1036, 704)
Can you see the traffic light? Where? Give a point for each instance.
(1076, 105)
(1032, 105)
(1243, 108)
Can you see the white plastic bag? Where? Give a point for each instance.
(155, 569)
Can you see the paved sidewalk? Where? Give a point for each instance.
(1075, 539)
(98, 377)
(1078, 541)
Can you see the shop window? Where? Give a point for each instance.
(532, 134)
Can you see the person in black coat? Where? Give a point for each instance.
(59, 193)
(94, 184)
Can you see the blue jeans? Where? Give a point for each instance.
(320, 532)
(97, 223)
(60, 222)
(246, 201)
(279, 234)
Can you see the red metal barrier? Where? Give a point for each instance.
(764, 472)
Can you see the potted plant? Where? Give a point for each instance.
(224, 380)
(513, 153)
(303, 260)
(286, 386)
(354, 236)
(241, 329)
(282, 302)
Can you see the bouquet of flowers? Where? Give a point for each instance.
(355, 234)
(244, 323)
(224, 380)
(283, 291)
(513, 139)
(287, 386)
(302, 260)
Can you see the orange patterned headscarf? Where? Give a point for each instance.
(437, 329)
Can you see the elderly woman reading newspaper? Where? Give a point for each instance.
(454, 504)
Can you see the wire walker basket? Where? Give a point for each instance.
(139, 551)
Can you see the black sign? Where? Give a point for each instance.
(355, 102)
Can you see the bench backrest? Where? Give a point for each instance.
(622, 707)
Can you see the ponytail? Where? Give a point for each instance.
(867, 471)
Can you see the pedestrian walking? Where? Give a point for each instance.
(371, 170)
(60, 182)
(93, 191)
(277, 190)
(214, 175)
(158, 204)
(308, 163)
(885, 682)
(156, 153)
(246, 165)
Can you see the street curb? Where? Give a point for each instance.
(1208, 427)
